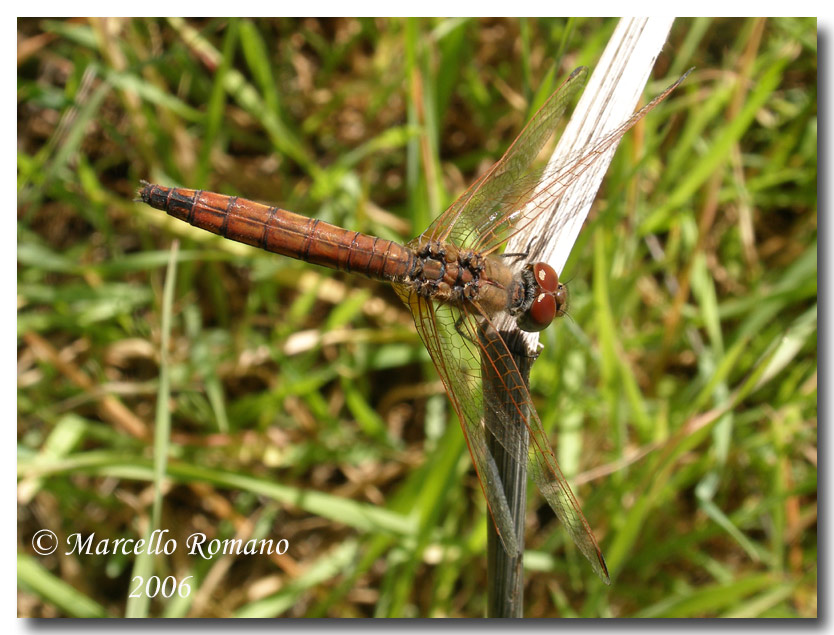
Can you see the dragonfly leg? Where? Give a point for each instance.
(461, 328)
(520, 255)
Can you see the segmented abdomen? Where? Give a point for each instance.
(283, 232)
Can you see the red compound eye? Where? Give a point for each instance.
(549, 302)
(546, 277)
(540, 314)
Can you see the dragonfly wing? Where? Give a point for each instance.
(484, 217)
(487, 201)
(540, 191)
(556, 491)
(508, 398)
(458, 364)
(465, 348)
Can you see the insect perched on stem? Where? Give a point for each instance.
(456, 282)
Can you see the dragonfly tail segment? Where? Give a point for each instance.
(282, 232)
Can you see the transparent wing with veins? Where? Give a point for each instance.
(511, 402)
(457, 360)
(512, 194)
(459, 340)
(488, 200)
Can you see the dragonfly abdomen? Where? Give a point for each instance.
(283, 232)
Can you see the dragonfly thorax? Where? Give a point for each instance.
(446, 273)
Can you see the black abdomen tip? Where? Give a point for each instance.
(154, 195)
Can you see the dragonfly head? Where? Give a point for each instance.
(548, 298)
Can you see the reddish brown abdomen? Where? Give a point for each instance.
(283, 232)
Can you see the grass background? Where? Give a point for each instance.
(298, 403)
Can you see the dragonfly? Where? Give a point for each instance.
(456, 281)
